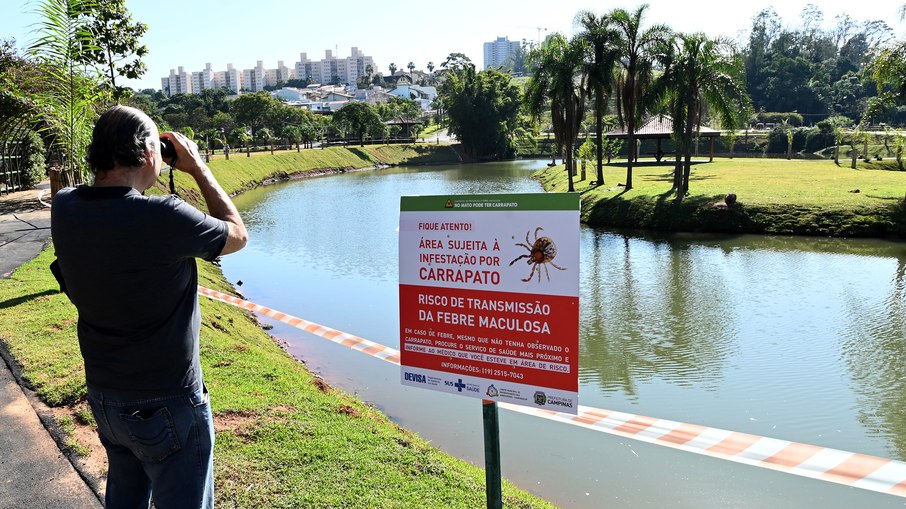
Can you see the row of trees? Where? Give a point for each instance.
(613, 59)
(621, 70)
(260, 118)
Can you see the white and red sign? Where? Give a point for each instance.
(489, 297)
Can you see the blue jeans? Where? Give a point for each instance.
(160, 447)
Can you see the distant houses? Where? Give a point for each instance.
(330, 98)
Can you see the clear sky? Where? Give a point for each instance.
(193, 32)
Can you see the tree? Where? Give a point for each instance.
(114, 42)
(392, 68)
(67, 98)
(557, 78)
(359, 118)
(456, 62)
(481, 109)
(430, 67)
(701, 74)
(267, 136)
(411, 67)
(293, 134)
(601, 61)
(255, 110)
(242, 136)
(636, 47)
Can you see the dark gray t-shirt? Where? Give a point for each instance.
(128, 262)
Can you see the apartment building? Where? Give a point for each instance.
(178, 82)
(497, 53)
(233, 79)
(253, 79)
(203, 80)
(330, 69)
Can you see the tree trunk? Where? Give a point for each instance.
(855, 155)
(569, 145)
(678, 172)
(837, 152)
(599, 136)
(630, 154)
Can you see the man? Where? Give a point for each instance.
(127, 262)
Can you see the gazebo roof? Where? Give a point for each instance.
(399, 120)
(660, 126)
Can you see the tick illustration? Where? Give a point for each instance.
(540, 253)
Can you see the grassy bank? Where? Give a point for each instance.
(284, 438)
(801, 197)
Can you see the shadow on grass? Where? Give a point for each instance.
(11, 303)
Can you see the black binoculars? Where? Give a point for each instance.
(167, 150)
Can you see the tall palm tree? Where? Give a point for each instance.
(635, 71)
(601, 37)
(557, 78)
(69, 92)
(411, 67)
(700, 74)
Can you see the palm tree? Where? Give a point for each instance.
(293, 134)
(411, 67)
(242, 135)
(267, 136)
(635, 73)
(599, 33)
(557, 77)
(700, 73)
(430, 67)
(66, 104)
(392, 68)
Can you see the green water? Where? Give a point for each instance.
(799, 339)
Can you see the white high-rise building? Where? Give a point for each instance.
(233, 79)
(179, 82)
(497, 53)
(253, 79)
(328, 70)
(334, 70)
(203, 80)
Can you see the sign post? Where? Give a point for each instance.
(489, 303)
(492, 455)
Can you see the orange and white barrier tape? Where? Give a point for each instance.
(841, 467)
(371, 348)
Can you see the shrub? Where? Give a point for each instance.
(32, 152)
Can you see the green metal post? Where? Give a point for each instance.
(492, 454)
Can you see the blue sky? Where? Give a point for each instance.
(193, 32)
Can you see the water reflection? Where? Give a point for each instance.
(654, 309)
(875, 349)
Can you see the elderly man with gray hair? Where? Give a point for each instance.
(127, 262)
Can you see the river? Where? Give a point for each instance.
(801, 339)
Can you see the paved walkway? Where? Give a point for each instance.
(34, 474)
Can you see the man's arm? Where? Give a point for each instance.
(217, 200)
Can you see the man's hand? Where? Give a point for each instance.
(217, 200)
(187, 157)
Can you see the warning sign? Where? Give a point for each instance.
(489, 304)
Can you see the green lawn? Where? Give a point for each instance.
(810, 197)
(285, 439)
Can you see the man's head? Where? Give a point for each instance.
(123, 138)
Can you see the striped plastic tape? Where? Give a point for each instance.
(847, 468)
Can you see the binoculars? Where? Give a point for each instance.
(167, 150)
